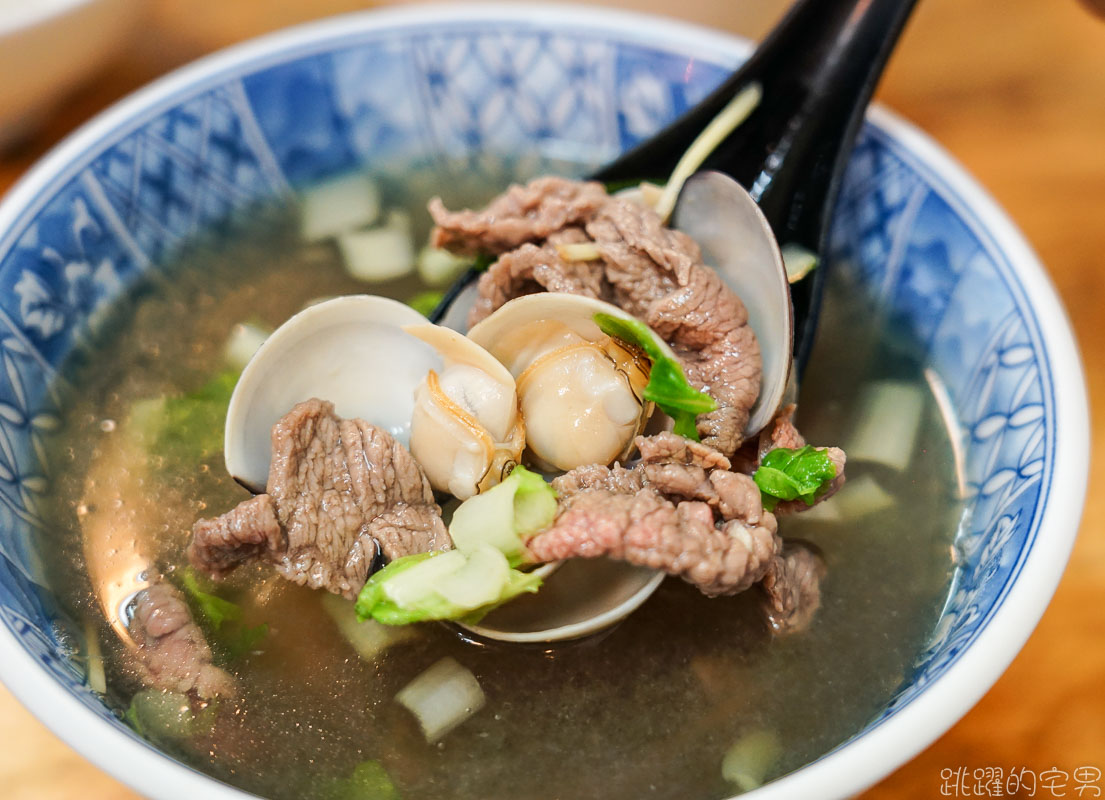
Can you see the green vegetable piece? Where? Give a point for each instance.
(483, 261)
(369, 781)
(425, 302)
(186, 429)
(667, 385)
(410, 587)
(534, 502)
(214, 609)
(158, 715)
(131, 718)
(789, 474)
(613, 187)
(368, 638)
(236, 639)
(374, 602)
(247, 640)
(750, 760)
(479, 582)
(502, 516)
(798, 261)
(518, 583)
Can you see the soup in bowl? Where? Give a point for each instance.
(146, 259)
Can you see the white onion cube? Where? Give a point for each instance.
(442, 697)
(339, 205)
(379, 254)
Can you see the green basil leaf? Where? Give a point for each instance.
(789, 474)
(667, 385)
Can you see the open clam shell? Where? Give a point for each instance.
(350, 351)
(379, 360)
(580, 597)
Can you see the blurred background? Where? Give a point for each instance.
(1014, 89)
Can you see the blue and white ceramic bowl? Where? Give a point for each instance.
(454, 83)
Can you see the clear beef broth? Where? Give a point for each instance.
(646, 710)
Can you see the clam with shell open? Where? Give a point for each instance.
(437, 392)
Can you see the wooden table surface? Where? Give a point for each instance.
(1015, 90)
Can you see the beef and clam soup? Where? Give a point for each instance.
(309, 637)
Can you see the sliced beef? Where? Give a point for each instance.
(615, 478)
(682, 510)
(646, 529)
(678, 510)
(781, 432)
(249, 532)
(683, 481)
(670, 448)
(522, 214)
(339, 492)
(172, 653)
(530, 269)
(645, 260)
(652, 271)
(707, 326)
(657, 274)
(679, 469)
(792, 587)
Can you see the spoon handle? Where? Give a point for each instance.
(818, 69)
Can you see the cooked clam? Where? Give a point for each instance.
(580, 391)
(466, 432)
(434, 390)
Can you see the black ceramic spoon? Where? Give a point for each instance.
(817, 70)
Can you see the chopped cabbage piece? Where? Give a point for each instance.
(379, 254)
(442, 585)
(504, 515)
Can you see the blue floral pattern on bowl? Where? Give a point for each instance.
(467, 95)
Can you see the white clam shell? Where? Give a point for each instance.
(580, 597)
(351, 351)
(440, 394)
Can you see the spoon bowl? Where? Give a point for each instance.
(579, 598)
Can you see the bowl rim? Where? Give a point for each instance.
(854, 765)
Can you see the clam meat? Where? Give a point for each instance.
(581, 391)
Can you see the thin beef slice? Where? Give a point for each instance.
(339, 492)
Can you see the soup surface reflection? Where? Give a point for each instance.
(648, 709)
